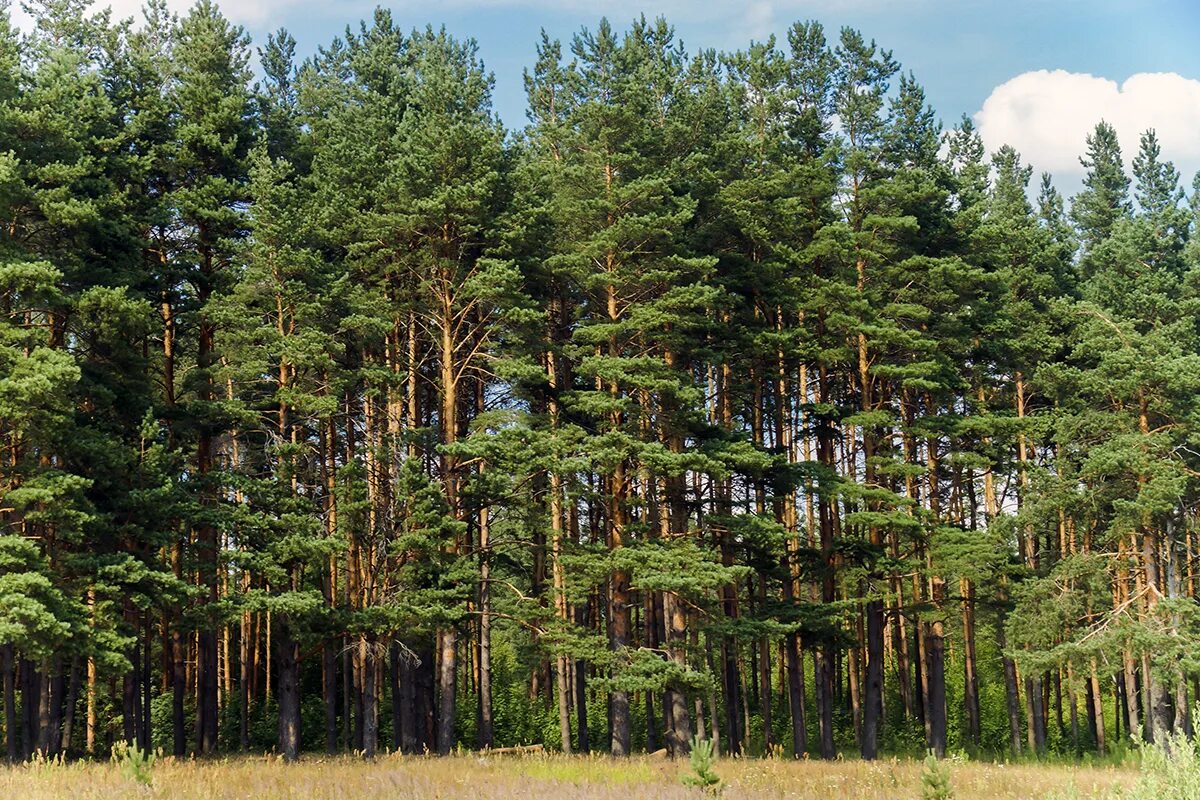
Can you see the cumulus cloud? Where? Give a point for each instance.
(1047, 115)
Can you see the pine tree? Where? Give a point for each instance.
(1104, 197)
(722, 363)
(209, 92)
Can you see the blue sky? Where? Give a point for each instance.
(1072, 58)
(959, 49)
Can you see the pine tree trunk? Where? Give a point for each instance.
(398, 683)
(936, 654)
(8, 664)
(426, 702)
(351, 699)
(131, 718)
(207, 546)
(731, 674)
(619, 614)
(89, 736)
(872, 701)
(764, 682)
(619, 698)
(825, 671)
(1073, 708)
(1011, 690)
(795, 677)
(581, 668)
(329, 582)
(1097, 709)
(486, 735)
(69, 713)
(448, 636)
(56, 686)
(970, 673)
(31, 697)
(178, 692)
(873, 694)
(244, 645)
(405, 711)
(561, 672)
(1035, 713)
(680, 733)
(288, 692)
(852, 659)
(1129, 672)
(448, 667)
(371, 684)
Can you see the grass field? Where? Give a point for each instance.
(479, 777)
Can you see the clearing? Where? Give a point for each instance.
(492, 777)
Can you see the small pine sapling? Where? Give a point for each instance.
(135, 763)
(935, 779)
(701, 761)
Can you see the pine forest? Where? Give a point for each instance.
(727, 397)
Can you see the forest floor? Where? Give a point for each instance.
(479, 777)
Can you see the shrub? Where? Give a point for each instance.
(1170, 771)
(702, 760)
(935, 779)
(134, 762)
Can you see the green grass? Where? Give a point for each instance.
(478, 776)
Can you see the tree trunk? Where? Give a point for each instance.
(8, 664)
(370, 699)
(795, 674)
(207, 555)
(872, 701)
(486, 735)
(400, 680)
(448, 636)
(970, 672)
(1097, 709)
(1073, 708)
(825, 674)
(448, 663)
(581, 709)
(68, 728)
(426, 701)
(56, 689)
(288, 655)
(329, 695)
(619, 613)
(1035, 713)
(873, 694)
(131, 718)
(244, 673)
(681, 729)
(31, 698)
(935, 649)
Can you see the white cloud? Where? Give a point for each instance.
(1047, 115)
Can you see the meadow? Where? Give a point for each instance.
(491, 777)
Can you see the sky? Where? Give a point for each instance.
(1036, 74)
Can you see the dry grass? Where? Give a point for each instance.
(478, 777)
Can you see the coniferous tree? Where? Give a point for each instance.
(208, 90)
(326, 393)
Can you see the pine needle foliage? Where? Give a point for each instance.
(701, 760)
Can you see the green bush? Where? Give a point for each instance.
(935, 779)
(701, 761)
(135, 763)
(1170, 771)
